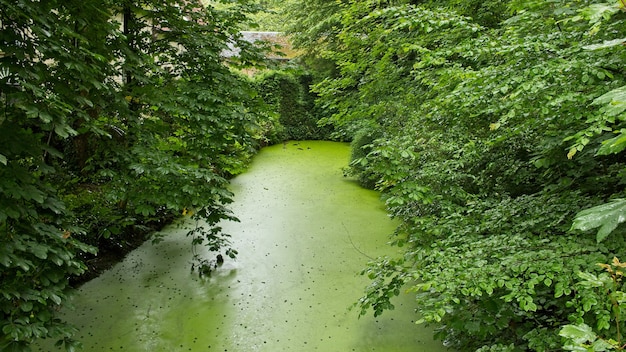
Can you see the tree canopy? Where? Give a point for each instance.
(488, 125)
(494, 129)
(115, 116)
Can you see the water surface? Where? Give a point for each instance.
(304, 235)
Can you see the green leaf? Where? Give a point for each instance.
(5, 259)
(72, 345)
(613, 145)
(26, 306)
(575, 348)
(40, 251)
(605, 217)
(600, 345)
(55, 298)
(3, 159)
(590, 279)
(598, 12)
(64, 131)
(615, 97)
(138, 168)
(619, 296)
(578, 333)
(605, 44)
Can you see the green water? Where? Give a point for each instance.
(303, 231)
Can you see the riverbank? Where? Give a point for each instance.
(305, 233)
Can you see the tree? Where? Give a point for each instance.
(468, 108)
(43, 46)
(108, 127)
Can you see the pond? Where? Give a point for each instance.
(305, 233)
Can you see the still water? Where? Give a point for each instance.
(304, 235)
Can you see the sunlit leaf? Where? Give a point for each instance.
(604, 217)
(578, 333)
(598, 12)
(606, 44)
(590, 279)
(617, 95)
(613, 145)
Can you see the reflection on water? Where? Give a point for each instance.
(303, 234)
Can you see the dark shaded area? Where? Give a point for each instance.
(289, 94)
(112, 251)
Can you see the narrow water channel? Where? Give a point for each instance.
(303, 234)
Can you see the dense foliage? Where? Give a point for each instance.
(483, 122)
(271, 18)
(287, 92)
(114, 116)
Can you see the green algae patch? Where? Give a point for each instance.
(305, 234)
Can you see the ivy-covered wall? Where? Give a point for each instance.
(288, 94)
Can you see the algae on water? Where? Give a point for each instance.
(304, 235)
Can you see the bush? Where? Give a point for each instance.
(288, 93)
(361, 146)
(473, 121)
(106, 127)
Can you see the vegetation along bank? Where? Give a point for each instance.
(116, 117)
(494, 130)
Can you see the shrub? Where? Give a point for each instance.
(288, 93)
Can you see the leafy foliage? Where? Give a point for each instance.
(606, 217)
(271, 17)
(468, 111)
(288, 92)
(605, 299)
(115, 116)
